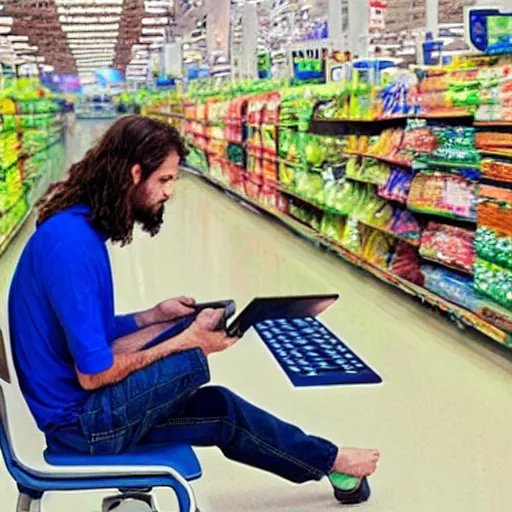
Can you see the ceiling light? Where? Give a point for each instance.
(156, 46)
(153, 31)
(160, 20)
(80, 35)
(156, 10)
(139, 47)
(67, 11)
(92, 52)
(90, 60)
(79, 43)
(89, 2)
(92, 45)
(88, 19)
(17, 38)
(6, 20)
(4, 29)
(90, 28)
(152, 39)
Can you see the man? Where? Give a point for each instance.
(83, 371)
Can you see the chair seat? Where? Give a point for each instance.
(178, 457)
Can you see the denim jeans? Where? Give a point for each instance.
(166, 403)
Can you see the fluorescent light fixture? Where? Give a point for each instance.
(6, 20)
(89, 2)
(91, 60)
(92, 45)
(80, 35)
(105, 43)
(156, 10)
(147, 31)
(88, 19)
(105, 53)
(152, 39)
(70, 11)
(40, 59)
(20, 46)
(139, 47)
(17, 38)
(90, 28)
(4, 29)
(159, 20)
(156, 46)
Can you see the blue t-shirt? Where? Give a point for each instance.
(61, 314)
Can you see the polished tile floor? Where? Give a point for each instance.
(442, 418)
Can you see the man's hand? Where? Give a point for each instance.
(202, 330)
(167, 311)
(173, 309)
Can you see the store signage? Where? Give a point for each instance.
(489, 30)
(309, 66)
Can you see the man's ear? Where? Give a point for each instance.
(136, 174)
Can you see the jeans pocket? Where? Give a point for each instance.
(103, 440)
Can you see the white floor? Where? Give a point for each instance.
(442, 419)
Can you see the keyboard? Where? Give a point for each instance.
(311, 355)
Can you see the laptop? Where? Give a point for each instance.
(258, 310)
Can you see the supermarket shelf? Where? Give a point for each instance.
(447, 265)
(458, 313)
(382, 229)
(493, 124)
(166, 114)
(31, 114)
(384, 159)
(12, 235)
(354, 126)
(454, 218)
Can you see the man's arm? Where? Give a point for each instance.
(125, 363)
(200, 334)
(134, 342)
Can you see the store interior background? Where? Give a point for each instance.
(252, 217)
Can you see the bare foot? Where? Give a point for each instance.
(356, 462)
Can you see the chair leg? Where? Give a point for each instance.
(28, 504)
(185, 496)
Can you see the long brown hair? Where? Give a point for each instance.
(103, 181)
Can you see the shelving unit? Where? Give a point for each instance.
(32, 156)
(400, 187)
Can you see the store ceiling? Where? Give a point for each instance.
(79, 36)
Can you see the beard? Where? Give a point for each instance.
(150, 219)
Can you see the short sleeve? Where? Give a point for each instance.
(125, 325)
(74, 281)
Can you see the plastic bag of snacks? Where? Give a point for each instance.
(449, 245)
(452, 286)
(406, 263)
(494, 281)
(443, 194)
(494, 247)
(397, 185)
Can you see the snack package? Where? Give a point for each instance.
(494, 281)
(452, 286)
(406, 263)
(493, 246)
(450, 245)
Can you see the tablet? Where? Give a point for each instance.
(272, 308)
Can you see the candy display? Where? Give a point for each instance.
(405, 199)
(449, 245)
(494, 281)
(30, 126)
(494, 247)
(443, 194)
(453, 286)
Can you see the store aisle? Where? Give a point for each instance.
(442, 418)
